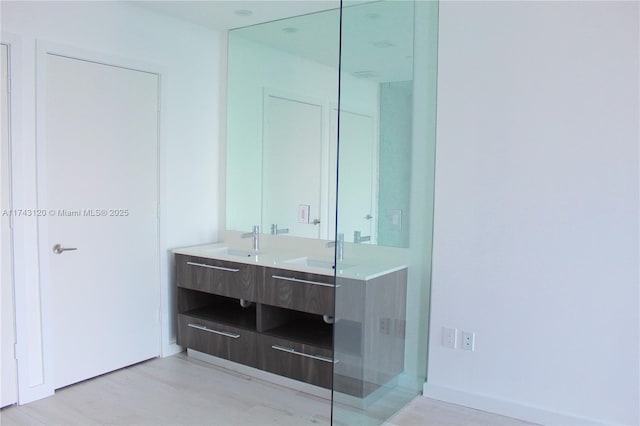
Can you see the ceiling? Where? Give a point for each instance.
(228, 14)
(377, 37)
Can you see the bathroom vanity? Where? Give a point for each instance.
(272, 309)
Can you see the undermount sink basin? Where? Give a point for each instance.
(315, 263)
(226, 251)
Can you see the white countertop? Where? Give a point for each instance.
(362, 262)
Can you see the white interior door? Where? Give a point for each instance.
(101, 193)
(9, 389)
(292, 157)
(357, 184)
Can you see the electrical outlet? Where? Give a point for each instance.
(468, 340)
(449, 337)
(385, 325)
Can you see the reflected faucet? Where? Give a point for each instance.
(339, 245)
(256, 236)
(357, 238)
(276, 231)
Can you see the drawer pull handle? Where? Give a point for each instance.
(298, 280)
(220, 268)
(293, 351)
(222, 333)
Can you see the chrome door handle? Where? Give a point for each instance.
(58, 249)
(368, 217)
(316, 221)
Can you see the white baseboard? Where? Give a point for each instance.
(171, 349)
(34, 393)
(505, 408)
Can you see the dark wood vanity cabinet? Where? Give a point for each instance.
(295, 344)
(278, 327)
(370, 340)
(278, 320)
(230, 279)
(300, 361)
(297, 290)
(211, 318)
(218, 339)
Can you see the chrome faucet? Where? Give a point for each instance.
(276, 231)
(339, 245)
(357, 238)
(256, 236)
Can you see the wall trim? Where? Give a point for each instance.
(504, 407)
(171, 349)
(28, 350)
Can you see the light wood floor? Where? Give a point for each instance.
(430, 412)
(181, 391)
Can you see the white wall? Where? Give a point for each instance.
(536, 209)
(188, 58)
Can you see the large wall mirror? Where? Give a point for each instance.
(283, 120)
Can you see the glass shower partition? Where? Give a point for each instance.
(332, 114)
(385, 126)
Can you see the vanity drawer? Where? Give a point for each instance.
(307, 363)
(234, 344)
(221, 277)
(301, 291)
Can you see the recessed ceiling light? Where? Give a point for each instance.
(243, 12)
(364, 74)
(372, 15)
(382, 43)
(290, 30)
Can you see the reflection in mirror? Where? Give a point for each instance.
(282, 85)
(377, 46)
(282, 126)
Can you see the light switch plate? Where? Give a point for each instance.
(449, 337)
(303, 213)
(395, 219)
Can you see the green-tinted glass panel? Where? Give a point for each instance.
(385, 156)
(360, 161)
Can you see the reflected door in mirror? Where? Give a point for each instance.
(291, 165)
(358, 174)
